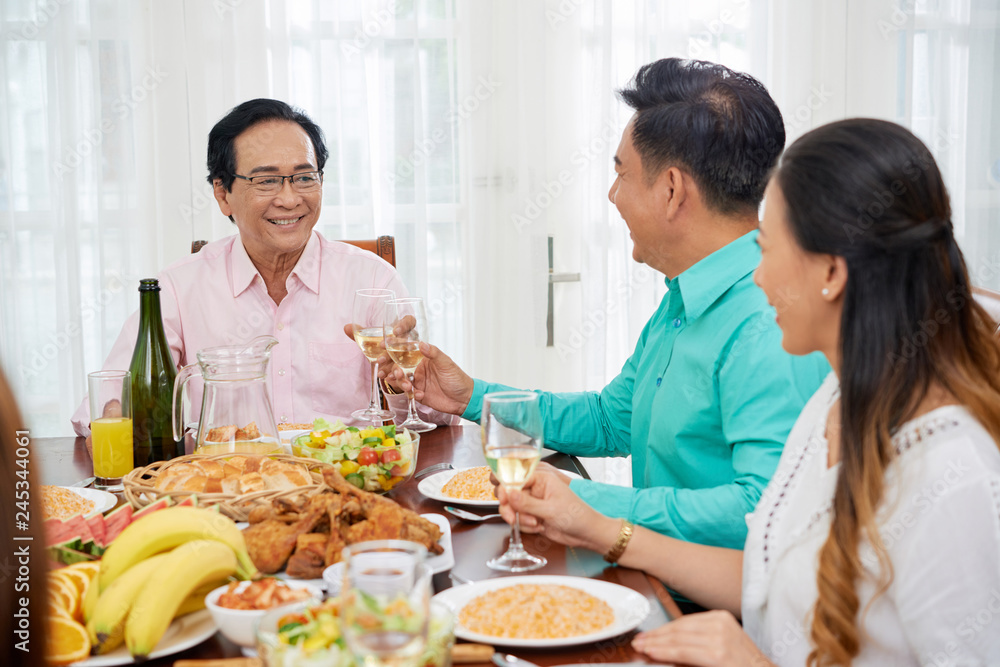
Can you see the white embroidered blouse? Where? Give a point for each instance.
(940, 521)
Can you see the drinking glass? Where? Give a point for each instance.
(385, 602)
(369, 313)
(111, 427)
(513, 436)
(405, 327)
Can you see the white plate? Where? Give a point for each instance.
(182, 634)
(103, 501)
(439, 563)
(630, 608)
(431, 487)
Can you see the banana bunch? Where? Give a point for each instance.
(161, 567)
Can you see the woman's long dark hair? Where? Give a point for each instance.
(870, 191)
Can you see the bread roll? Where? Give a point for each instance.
(252, 482)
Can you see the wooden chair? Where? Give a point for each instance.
(383, 246)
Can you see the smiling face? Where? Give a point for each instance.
(278, 226)
(636, 199)
(793, 281)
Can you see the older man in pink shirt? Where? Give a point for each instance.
(277, 276)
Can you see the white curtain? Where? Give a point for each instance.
(105, 110)
(471, 130)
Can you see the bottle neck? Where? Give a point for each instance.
(150, 320)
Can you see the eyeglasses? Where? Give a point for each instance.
(271, 184)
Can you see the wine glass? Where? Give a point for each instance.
(405, 327)
(511, 423)
(385, 602)
(369, 313)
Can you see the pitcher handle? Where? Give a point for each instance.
(178, 411)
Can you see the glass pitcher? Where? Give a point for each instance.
(236, 413)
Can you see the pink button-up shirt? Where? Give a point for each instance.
(217, 297)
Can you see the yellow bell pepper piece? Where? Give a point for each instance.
(347, 467)
(389, 442)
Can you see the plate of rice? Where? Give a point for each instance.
(62, 502)
(465, 486)
(543, 611)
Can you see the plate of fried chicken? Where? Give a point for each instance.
(300, 536)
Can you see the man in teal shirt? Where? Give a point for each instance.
(706, 400)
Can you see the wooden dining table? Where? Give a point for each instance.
(64, 461)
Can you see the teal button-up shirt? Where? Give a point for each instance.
(703, 405)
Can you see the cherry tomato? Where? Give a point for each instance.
(396, 471)
(390, 455)
(367, 456)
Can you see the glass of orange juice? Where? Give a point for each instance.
(111, 427)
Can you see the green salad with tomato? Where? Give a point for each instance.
(311, 637)
(373, 459)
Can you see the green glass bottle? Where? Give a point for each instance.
(153, 374)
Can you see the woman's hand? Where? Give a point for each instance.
(548, 506)
(709, 639)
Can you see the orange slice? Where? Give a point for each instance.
(90, 568)
(56, 608)
(79, 580)
(64, 593)
(67, 642)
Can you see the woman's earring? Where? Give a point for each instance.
(825, 292)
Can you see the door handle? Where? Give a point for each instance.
(554, 278)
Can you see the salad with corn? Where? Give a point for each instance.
(374, 459)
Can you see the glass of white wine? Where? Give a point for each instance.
(385, 602)
(405, 327)
(369, 315)
(513, 437)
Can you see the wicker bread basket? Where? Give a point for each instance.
(140, 485)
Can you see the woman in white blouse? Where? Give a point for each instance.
(877, 541)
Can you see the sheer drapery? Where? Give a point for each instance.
(470, 130)
(105, 111)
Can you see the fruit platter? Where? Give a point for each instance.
(145, 595)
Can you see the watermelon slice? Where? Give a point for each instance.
(98, 529)
(70, 552)
(78, 525)
(190, 501)
(115, 522)
(57, 532)
(160, 504)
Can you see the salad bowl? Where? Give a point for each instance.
(375, 459)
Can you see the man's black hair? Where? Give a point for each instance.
(720, 126)
(222, 138)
